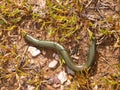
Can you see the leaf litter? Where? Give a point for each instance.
(71, 23)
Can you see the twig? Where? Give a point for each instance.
(23, 60)
(108, 63)
(89, 3)
(1, 17)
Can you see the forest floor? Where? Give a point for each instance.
(71, 23)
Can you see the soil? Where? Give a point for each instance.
(107, 55)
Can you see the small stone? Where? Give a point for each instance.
(50, 81)
(56, 85)
(95, 87)
(62, 87)
(68, 82)
(69, 71)
(47, 77)
(56, 80)
(53, 64)
(91, 78)
(33, 51)
(30, 87)
(62, 76)
(44, 52)
(56, 56)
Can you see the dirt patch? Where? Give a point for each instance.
(69, 23)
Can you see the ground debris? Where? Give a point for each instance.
(34, 51)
